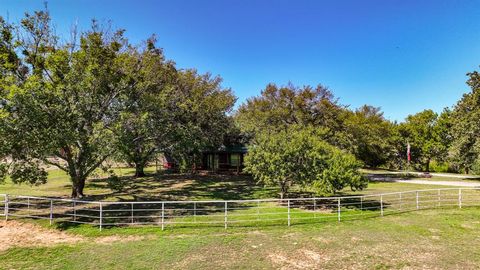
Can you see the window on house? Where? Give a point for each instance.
(234, 160)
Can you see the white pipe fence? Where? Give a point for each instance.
(232, 212)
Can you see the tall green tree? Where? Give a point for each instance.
(277, 108)
(297, 156)
(370, 134)
(12, 72)
(63, 106)
(423, 131)
(145, 127)
(465, 131)
(200, 115)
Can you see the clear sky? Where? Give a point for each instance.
(403, 56)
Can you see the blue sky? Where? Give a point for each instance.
(403, 56)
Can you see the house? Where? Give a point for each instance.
(225, 158)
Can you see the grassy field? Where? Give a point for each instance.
(182, 187)
(427, 239)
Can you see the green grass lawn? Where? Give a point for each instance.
(439, 238)
(430, 239)
(179, 187)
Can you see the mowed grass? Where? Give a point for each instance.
(440, 238)
(179, 187)
(428, 239)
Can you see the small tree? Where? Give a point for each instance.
(298, 156)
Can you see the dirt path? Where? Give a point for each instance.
(424, 182)
(448, 175)
(23, 234)
(14, 233)
(437, 183)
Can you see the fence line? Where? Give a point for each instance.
(233, 212)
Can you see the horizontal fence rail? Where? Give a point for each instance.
(233, 212)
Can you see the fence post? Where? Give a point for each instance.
(381, 205)
(361, 204)
(288, 205)
(6, 207)
(401, 201)
(74, 210)
(339, 211)
(101, 215)
(194, 211)
(417, 200)
(258, 209)
(459, 198)
(51, 212)
(314, 208)
(439, 198)
(163, 216)
(28, 203)
(131, 214)
(226, 213)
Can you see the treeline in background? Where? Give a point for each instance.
(76, 103)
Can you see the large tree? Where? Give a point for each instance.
(465, 131)
(200, 115)
(424, 131)
(370, 134)
(277, 108)
(145, 126)
(61, 102)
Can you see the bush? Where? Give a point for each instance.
(441, 167)
(476, 167)
(299, 156)
(115, 183)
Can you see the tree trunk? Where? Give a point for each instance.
(427, 166)
(78, 183)
(139, 169)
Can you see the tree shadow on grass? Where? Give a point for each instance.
(182, 187)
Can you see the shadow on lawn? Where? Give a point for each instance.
(161, 187)
(181, 187)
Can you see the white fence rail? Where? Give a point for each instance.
(233, 212)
